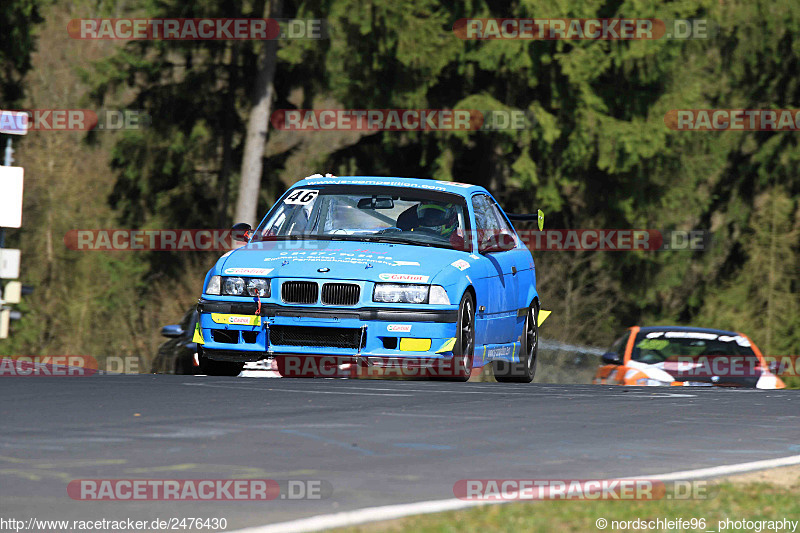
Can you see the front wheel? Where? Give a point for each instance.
(525, 370)
(460, 366)
(211, 367)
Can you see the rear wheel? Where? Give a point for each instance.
(460, 366)
(525, 370)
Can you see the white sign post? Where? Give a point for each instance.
(9, 263)
(5, 318)
(12, 294)
(11, 179)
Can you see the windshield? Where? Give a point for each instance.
(658, 346)
(371, 214)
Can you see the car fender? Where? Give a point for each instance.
(455, 286)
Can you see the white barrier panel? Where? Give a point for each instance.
(11, 200)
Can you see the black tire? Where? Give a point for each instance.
(460, 367)
(155, 366)
(210, 367)
(525, 370)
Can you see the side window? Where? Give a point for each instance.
(501, 220)
(489, 219)
(485, 219)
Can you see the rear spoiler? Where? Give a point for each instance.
(522, 217)
(539, 216)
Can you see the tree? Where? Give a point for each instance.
(17, 42)
(257, 126)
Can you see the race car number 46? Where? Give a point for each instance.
(301, 197)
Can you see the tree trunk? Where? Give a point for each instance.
(257, 127)
(771, 275)
(226, 166)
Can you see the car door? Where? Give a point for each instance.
(517, 262)
(500, 308)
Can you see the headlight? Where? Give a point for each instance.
(258, 287)
(397, 293)
(234, 286)
(438, 296)
(213, 285)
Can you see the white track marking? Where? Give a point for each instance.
(362, 516)
(482, 392)
(391, 512)
(726, 470)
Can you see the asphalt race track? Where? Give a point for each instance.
(374, 442)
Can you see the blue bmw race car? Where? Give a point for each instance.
(373, 272)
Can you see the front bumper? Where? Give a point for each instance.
(231, 331)
(363, 314)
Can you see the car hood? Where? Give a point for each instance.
(363, 261)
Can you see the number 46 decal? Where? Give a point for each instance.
(301, 197)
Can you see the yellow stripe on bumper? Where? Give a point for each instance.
(239, 320)
(415, 345)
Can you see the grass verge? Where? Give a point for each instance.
(730, 500)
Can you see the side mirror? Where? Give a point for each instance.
(498, 242)
(172, 331)
(612, 358)
(241, 232)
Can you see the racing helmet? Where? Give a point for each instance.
(440, 217)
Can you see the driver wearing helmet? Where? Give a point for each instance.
(435, 217)
(441, 218)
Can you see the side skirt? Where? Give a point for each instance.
(487, 353)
